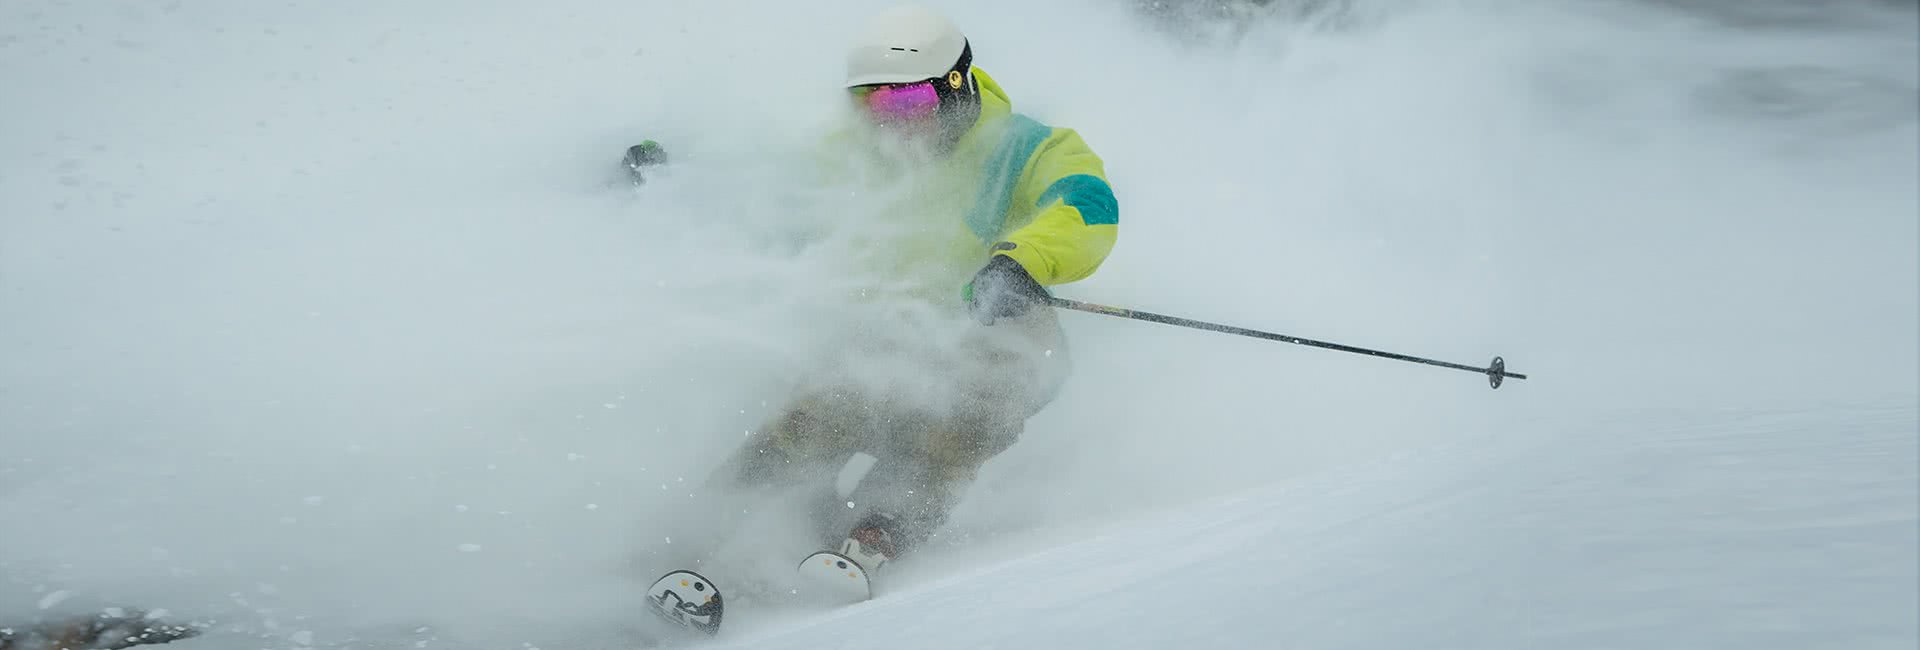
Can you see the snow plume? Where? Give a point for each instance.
(1644, 205)
(320, 317)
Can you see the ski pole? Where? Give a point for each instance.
(1496, 372)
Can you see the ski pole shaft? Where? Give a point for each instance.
(1496, 372)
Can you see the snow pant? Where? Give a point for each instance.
(931, 413)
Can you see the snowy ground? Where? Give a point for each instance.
(1758, 529)
(320, 319)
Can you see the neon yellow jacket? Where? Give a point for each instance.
(1016, 187)
(1045, 196)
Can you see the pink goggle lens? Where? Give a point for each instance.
(903, 102)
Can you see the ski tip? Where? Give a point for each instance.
(834, 577)
(687, 599)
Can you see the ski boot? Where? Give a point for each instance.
(873, 542)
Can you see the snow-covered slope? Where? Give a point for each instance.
(321, 320)
(1757, 529)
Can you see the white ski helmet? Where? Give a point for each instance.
(904, 44)
(910, 44)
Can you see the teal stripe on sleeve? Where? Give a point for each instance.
(989, 214)
(1090, 194)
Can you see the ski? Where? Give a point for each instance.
(692, 602)
(832, 578)
(687, 600)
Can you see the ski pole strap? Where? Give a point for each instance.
(1496, 371)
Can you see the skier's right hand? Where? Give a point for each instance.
(1003, 289)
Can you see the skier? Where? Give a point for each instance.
(999, 207)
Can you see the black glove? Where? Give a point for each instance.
(1003, 289)
(641, 156)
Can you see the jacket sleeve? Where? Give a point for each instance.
(1075, 218)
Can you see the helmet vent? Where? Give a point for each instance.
(903, 49)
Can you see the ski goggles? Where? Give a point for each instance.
(903, 102)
